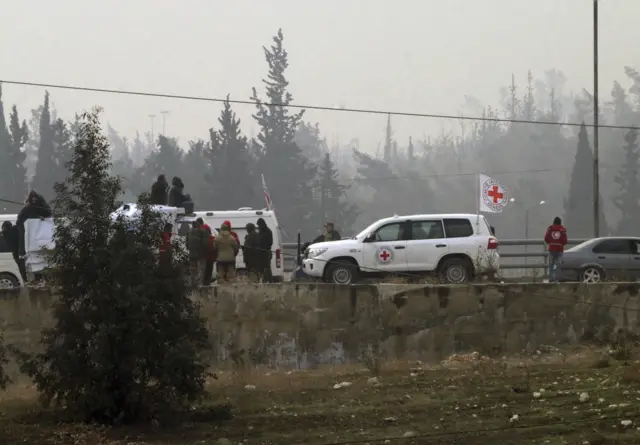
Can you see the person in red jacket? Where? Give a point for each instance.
(233, 234)
(555, 238)
(211, 258)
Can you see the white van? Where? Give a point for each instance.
(239, 219)
(9, 272)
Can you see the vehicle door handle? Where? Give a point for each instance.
(636, 257)
(398, 247)
(441, 245)
(602, 257)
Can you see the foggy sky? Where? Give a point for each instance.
(403, 55)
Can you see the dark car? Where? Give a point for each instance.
(606, 258)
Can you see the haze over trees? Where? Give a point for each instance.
(311, 180)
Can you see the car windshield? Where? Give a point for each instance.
(580, 246)
(365, 232)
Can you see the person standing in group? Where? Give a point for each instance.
(11, 238)
(251, 253)
(555, 238)
(233, 234)
(226, 249)
(211, 256)
(159, 191)
(198, 245)
(266, 243)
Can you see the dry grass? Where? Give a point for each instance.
(407, 399)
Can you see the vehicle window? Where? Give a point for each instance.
(634, 246)
(613, 246)
(458, 228)
(3, 245)
(426, 230)
(390, 232)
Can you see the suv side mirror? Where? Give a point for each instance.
(370, 238)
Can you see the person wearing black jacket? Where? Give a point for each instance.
(176, 196)
(159, 191)
(12, 240)
(265, 254)
(35, 207)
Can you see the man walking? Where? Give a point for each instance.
(555, 238)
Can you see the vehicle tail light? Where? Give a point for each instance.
(492, 244)
(278, 259)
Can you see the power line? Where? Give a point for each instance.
(309, 107)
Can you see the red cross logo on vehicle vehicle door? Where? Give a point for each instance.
(384, 255)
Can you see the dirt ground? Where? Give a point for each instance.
(547, 399)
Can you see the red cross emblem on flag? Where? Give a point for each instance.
(494, 196)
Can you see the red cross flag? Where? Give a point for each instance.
(494, 197)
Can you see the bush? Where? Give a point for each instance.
(127, 342)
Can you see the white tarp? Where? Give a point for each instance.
(38, 234)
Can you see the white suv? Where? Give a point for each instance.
(456, 247)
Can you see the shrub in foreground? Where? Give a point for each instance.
(127, 342)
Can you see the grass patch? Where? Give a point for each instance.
(407, 400)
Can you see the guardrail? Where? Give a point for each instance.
(533, 255)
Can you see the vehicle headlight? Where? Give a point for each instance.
(313, 253)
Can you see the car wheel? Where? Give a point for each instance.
(342, 272)
(8, 281)
(592, 275)
(455, 271)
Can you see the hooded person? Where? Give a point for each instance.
(226, 248)
(266, 243)
(251, 252)
(35, 207)
(159, 191)
(555, 238)
(176, 196)
(233, 234)
(11, 238)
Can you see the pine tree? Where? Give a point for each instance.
(628, 181)
(578, 206)
(19, 137)
(167, 158)
(196, 169)
(311, 143)
(127, 339)
(331, 197)
(62, 150)
(229, 164)
(13, 136)
(287, 172)
(45, 171)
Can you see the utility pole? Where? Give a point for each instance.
(596, 133)
(153, 125)
(164, 121)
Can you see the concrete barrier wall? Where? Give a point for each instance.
(303, 324)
